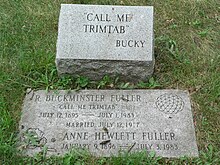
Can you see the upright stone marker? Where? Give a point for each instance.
(105, 40)
(107, 122)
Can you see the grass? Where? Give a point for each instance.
(187, 51)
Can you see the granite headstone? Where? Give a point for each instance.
(107, 122)
(96, 40)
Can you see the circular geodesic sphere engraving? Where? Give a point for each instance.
(170, 103)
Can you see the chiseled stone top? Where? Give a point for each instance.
(105, 32)
(107, 122)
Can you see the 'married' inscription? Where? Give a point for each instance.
(109, 122)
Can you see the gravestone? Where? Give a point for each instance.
(107, 122)
(96, 40)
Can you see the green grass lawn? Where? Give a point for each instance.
(187, 51)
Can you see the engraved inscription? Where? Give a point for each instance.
(105, 124)
(93, 26)
(170, 103)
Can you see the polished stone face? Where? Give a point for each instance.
(107, 122)
(114, 40)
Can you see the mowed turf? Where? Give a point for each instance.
(187, 51)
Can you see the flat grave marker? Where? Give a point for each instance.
(106, 122)
(98, 40)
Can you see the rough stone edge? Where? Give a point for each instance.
(133, 71)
